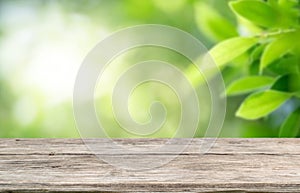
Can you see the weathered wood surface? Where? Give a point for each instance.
(66, 165)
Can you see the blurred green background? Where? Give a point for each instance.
(43, 42)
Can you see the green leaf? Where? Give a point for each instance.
(287, 3)
(230, 49)
(257, 52)
(277, 49)
(257, 12)
(288, 13)
(248, 84)
(254, 68)
(286, 65)
(212, 24)
(261, 104)
(291, 125)
(287, 83)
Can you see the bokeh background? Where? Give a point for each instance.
(43, 43)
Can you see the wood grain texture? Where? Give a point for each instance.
(231, 165)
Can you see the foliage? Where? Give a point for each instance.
(258, 52)
(269, 34)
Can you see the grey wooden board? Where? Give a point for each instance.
(67, 165)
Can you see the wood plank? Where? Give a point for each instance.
(67, 165)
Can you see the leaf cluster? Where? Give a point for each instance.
(266, 52)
